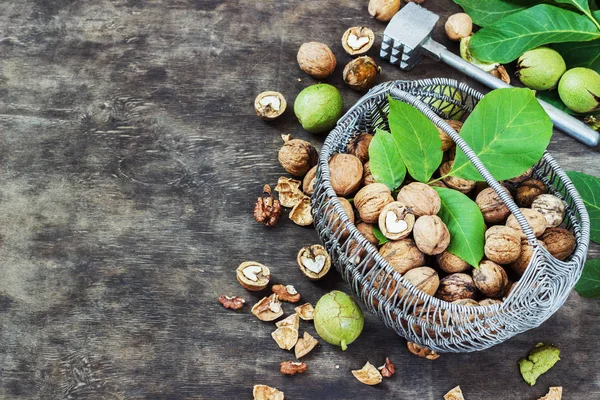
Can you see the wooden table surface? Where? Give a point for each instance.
(130, 161)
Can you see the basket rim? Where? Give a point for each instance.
(351, 115)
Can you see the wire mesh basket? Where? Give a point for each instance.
(418, 317)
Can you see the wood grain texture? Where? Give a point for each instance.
(130, 160)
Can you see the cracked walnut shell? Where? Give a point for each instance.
(454, 394)
(431, 234)
(289, 191)
(301, 214)
(253, 276)
(369, 375)
(313, 261)
(264, 392)
(420, 199)
(292, 321)
(268, 308)
(316, 59)
(345, 174)
(305, 345)
(358, 40)
(395, 222)
(306, 311)
(370, 200)
(297, 156)
(269, 105)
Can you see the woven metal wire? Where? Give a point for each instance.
(418, 317)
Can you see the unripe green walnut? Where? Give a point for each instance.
(541, 68)
(579, 89)
(318, 107)
(338, 319)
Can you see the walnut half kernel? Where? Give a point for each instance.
(314, 262)
(268, 308)
(292, 367)
(232, 302)
(253, 276)
(286, 293)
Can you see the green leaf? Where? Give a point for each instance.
(583, 6)
(589, 283)
(588, 187)
(384, 160)
(463, 218)
(380, 236)
(507, 39)
(417, 139)
(486, 12)
(508, 130)
(583, 54)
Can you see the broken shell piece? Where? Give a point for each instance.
(286, 293)
(369, 375)
(301, 214)
(395, 222)
(264, 392)
(291, 321)
(305, 345)
(269, 105)
(358, 40)
(314, 262)
(501, 73)
(306, 311)
(555, 393)
(286, 337)
(289, 191)
(454, 394)
(421, 351)
(268, 308)
(253, 276)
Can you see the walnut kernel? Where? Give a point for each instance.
(267, 208)
(292, 367)
(422, 352)
(388, 369)
(316, 59)
(232, 302)
(286, 293)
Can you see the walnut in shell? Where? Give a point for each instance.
(370, 200)
(285, 337)
(289, 191)
(492, 207)
(316, 59)
(533, 217)
(264, 392)
(457, 317)
(253, 276)
(383, 10)
(301, 214)
(422, 352)
(490, 278)
(423, 278)
(551, 207)
(502, 244)
(528, 190)
(269, 105)
(358, 40)
(334, 220)
(560, 242)
(459, 26)
(305, 345)
(360, 73)
(367, 178)
(420, 199)
(346, 173)
(403, 255)
(297, 156)
(395, 222)
(367, 231)
(359, 146)
(313, 261)
(306, 311)
(453, 182)
(431, 234)
(450, 263)
(268, 308)
(369, 375)
(308, 183)
(286, 293)
(447, 142)
(456, 287)
(518, 179)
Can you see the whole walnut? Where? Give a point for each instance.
(528, 190)
(492, 207)
(360, 73)
(560, 242)
(367, 231)
(316, 59)
(370, 200)
(490, 278)
(431, 234)
(518, 179)
(403, 255)
(297, 156)
(533, 217)
(447, 142)
(308, 183)
(423, 278)
(450, 263)
(383, 10)
(359, 146)
(502, 244)
(334, 220)
(551, 207)
(459, 26)
(420, 199)
(460, 317)
(345, 174)
(367, 175)
(521, 263)
(453, 182)
(456, 287)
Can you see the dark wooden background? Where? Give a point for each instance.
(130, 161)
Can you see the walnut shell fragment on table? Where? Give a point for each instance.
(555, 393)
(305, 345)
(264, 392)
(422, 352)
(269, 105)
(454, 394)
(253, 275)
(285, 337)
(301, 214)
(306, 312)
(314, 262)
(368, 374)
(289, 191)
(268, 308)
(291, 321)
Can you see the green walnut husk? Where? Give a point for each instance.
(318, 107)
(467, 56)
(579, 89)
(541, 68)
(338, 319)
(538, 362)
